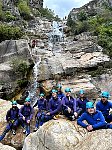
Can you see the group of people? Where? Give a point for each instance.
(73, 108)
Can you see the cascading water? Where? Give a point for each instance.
(33, 88)
(56, 35)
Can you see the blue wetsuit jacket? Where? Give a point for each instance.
(12, 114)
(54, 106)
(42, 104)
(104, 107)
(26, 111)
(69, 103)
(81, 105)
(97, 120)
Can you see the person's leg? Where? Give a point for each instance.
(109, 126)
(22, 123)
(109, 118)
(69, 115)
(27, 129)
(43, 118)
(47, 118)
(8, 127)
(37, 121)
(27, 125)
(14, 127)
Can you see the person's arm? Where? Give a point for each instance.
(8, 115)
(78, 109)
(56, 110)
(74, 105)
(63, 95)
(20, 111)
(50, 106)
(110, 104)
(101, 122)
(81, 119)
(32, 112)
(63, 103)
(46, 105)
(97, 106)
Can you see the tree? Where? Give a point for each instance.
(82, 16)
(70, 22)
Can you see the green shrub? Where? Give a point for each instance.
(9, 32)
(24, 10)
(1, 12)
(47, 13)
(82, 16)
(70, 22)
(9, 17)
(81, 27)
(22, 83)
(20, 67)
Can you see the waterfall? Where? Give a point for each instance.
(34, 86)
(56, 35)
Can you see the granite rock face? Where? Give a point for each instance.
(91, 8)
(10, 50)
(4, 147)
(53, 135)
(65, 135)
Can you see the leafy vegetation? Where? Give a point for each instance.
(48, 13)
(82, 16)
(9, 32)
(1, 12)
(100, 25)
(24, 10)
(20, 67)
(9, 17)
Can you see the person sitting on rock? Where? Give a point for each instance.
(54, 107)
(12, 119)
(26, 115)
(42, 109)
(60, 93)
(33, 43)
(104, 106)
(94, 118)
(69, 105)
(81, 102)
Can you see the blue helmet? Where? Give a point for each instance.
(67, 90)
(14, 103)
(41, 94)
(28, 99)
(54, 91)
(59, 86)
(105, 94)
(89, 105)
(81, 91)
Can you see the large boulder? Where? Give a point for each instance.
(55, 134)
(4, 107)
(66, 135)
(4, 147)
(97, 140)
(11, 50)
